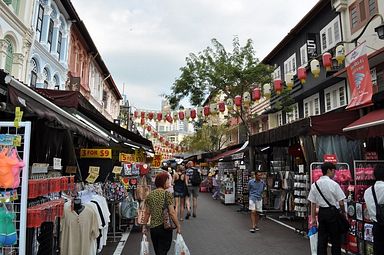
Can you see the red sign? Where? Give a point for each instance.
(359, 78)
(330, 158)
(371, 155)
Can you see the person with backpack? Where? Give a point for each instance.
(193, 179)
(374, 198)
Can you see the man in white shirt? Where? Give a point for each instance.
(378, 230)
(328, 229)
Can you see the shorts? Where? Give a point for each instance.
(256, 205)
(178, 194)
(193, 191)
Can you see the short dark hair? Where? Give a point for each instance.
(161, 179)
(379, 172)
(327, 165)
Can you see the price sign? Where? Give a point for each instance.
(40, 168)
(94, 170)
(71, 169)
(156, 162)
(124, 157)
(96, 153)
(18, 117)
(140, 155)
(330, 158)
(57, 164)
(117, 169)
(17, 141)
(92, 178)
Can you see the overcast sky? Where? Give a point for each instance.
(145, 42)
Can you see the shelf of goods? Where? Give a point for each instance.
(300, 195)
(242, 187)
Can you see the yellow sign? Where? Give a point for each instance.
(140, 155)
(117, 169)
(92, 178)
(124, 157)
(156, 162)
(18, 117)
(17, 141)
(94, 170)
(95, 153)
(71, 169)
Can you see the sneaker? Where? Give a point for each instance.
(188, 215)
(257, 228)
(252, 230)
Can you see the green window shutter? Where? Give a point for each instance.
(9, 57)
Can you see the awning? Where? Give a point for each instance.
(23, 96)
(369, 125)
(229, 153)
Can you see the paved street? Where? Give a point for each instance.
(220, 229)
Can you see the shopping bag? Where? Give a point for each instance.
(144, 246)
(180, 246)
(143, 189)
(312, 234)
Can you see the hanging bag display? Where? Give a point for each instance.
(129, 207)
(379, 209)
(341, 220)
(143, 189)
(114, 191)
(167, 220)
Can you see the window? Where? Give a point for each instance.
(277, 73)
(279, 118)
(330, 35)
(294, 114)
(50, 34)
(46, 78)
(33, 73)
(290, 65)
(9, 56)
(39, 23)
(303, 55)
(56, 82)
(311, 106)
(335, 96)
(59, 41)
(360, 12)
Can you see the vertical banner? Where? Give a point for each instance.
(359, 78)
(311, 46)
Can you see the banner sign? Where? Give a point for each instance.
(95, 153)
(156, 162)
(330, 158)
(124, 157)
(311, 46)
(359, 78)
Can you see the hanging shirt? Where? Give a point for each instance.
(256, 189)
(368, 197)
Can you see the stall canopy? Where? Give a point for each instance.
(229, 153)
(370, 125)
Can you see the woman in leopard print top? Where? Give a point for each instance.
(161, 238)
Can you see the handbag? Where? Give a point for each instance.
(341, 220)
(141, 215)
(167, 220)
(379, 209)
(143, 189)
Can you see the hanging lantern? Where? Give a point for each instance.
(327, 61)
(302, 74)
(159, 116)
(161, 139)
(267, 90)
(193, 114)
(167, 143)
(172, 145)
(169, 118)
(247, 98)
(289, 80)
(221, 106)
(256, 94)
(230, 104)
(150, 115)
(278, 86)
(315, 68)
(238, 101)
(188, 113)
(207, 110)
(175, 116)
(136, 114)
(200, 112)
(142, 115)
(181, 115)
(340, 54)
(142, 121)
(213, 109)
(155, 134)
(149, 128)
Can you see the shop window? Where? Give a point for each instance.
(360, 12)
(328, 102)
(9, 56)
(39, 23)
(335, 96)
(303, 55)
(33, 73)
(294, 114)
(330, 35)
(290, 65)
(50, 34)
(311, 105)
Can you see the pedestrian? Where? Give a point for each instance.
(193, 182)
(179, 191)
(161, 238)
(256, 188)
(327, 220)
(378, 224)
(215, 185)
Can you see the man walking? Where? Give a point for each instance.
(373, 209)
(328, 228)
(256, 187)
(193, 178)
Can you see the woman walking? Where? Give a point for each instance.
(161, 238)
(216, 186)
(179, 191)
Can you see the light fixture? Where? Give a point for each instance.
(380, 31)
(364, 144)
(113, 139)
(264, 149)
(132, 145)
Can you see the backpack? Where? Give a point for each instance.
(379, 208)
(196, 178)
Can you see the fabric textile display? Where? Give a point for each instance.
(143, 189)
(114, 191)
(313, 234)
(180, 246)
(167, 220)
(144, 245)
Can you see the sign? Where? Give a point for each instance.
(92, 178)
(140, 155)
(57, 164)
(94, 170)
(18, 117)
(371, 155)
(95, 153)
(124, 157)
(17, 141)
(330, 158)
(156, 161)
(71, 169)
(359, 78)
(117, 169)
(40, 168)
(311, 46)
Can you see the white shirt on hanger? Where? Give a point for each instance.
(330, 189)
(368, 197)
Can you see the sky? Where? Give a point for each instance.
(144, 43)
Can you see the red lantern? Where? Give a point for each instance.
(142, 121)
(207, 110)
(256, 94)
(302, 74)
(193, 114)
(278, 86)
(221, 106)
(238, 101)
(169, 118)
(142, 115)
(327, 61)
(172, 145)
(166, 143)
(149, 128)
(159, 116)
(161, 139)
(150, 115)
(155, 134)
(181, 115)
(136, 114)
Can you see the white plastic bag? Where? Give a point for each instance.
(312, 234)
(180, 246)
(144, 249)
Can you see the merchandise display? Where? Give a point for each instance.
(300, 195)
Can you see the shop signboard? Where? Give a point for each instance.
(330, 158)
(156, 162)
(359, 78)
(96, 153)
